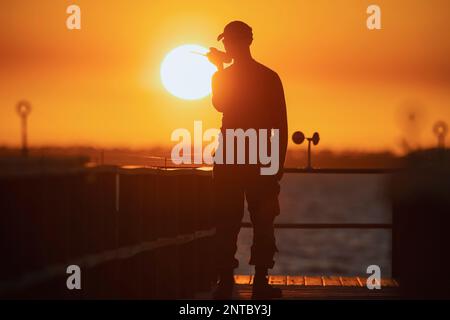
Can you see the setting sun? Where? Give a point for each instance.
(186, 73)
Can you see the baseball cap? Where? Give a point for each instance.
(236, 29)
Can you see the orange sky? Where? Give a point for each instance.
(100, 86)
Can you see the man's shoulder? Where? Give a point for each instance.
(260, 68)
(267, 71)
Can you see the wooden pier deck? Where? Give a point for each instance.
(321, 288)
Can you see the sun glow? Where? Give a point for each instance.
(186, 73)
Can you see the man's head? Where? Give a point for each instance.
(237, 37)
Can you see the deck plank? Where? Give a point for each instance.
(277, 280)
(331, 281)
(295, 281)
(350, 282)
(242, 279)
(313, 281)
(389, 283)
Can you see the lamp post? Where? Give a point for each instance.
(23, 108)
(440, 130)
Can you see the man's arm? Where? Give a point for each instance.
(217, 99)
(281, 123)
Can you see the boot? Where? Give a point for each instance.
(224, 290)
(262, 290)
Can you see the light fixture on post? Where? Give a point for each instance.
(440, 130)
(298, 137)
(23, 108)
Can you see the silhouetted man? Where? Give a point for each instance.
(250, 96)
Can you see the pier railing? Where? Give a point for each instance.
(371, 226)
(134, 233)
(145, 233)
